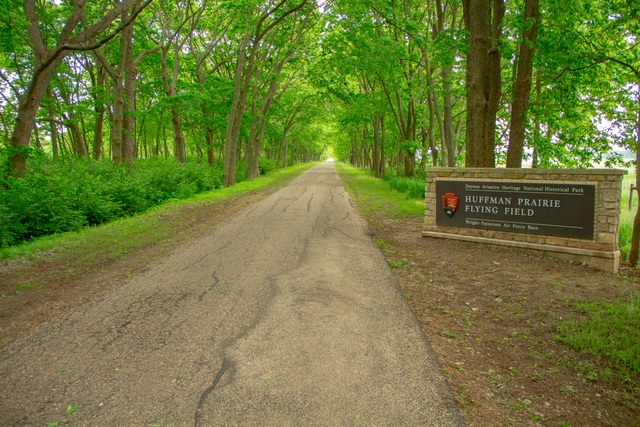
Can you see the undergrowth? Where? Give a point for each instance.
(413, 187)
(62, 195)
(122, 235)
(626, 216)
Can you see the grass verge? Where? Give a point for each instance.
(122, 235)
(40, 279)
(376, 194)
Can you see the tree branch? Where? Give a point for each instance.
(79, 41)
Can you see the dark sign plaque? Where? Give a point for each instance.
(553, 209)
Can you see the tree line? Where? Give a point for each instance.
(483, 83)
(223, 81)
(393, 85)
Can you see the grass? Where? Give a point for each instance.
(626, 215)
(119, 236)
(607, 329)
(413, 188)
(377, 194)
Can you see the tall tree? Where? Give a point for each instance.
(46, 60)
(522, 85)
(268, 19)
(480, 149)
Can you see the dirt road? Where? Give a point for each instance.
(285, 314)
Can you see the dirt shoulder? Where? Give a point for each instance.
(492, 316)
(36, 290)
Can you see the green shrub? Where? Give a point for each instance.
(265, 166)
(624, 239)
(63, 195)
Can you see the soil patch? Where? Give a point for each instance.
(492, 316)
(36, 290)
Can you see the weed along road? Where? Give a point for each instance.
(284, 314)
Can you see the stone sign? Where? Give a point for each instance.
(525, 207)
(570, 213)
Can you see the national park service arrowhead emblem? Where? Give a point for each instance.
(449, 204)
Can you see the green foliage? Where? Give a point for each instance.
(626, 216)
(118, 237)
(265, 166)
(624, 238)
(610, 330)
(413, 188)
(66, 195)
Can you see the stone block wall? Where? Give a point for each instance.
(601, 252)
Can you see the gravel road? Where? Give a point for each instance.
(285, 314)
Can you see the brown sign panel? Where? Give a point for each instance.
(565, 210)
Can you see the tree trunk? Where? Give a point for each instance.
(443, 148)
(211, 150)
(76, 138)
(449, 142)
(522, 86)
(117, 123)
(495, 80)
(635, 235)
(285, 161)
(382, 136)
(480, 151)
(26, 118)
(376, 146)
(129, 124)
(178, 138)
(278, 156)
(431, 136)
(230, 146)
(52, 125)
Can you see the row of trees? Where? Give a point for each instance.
(220, 80)
(394, 85)
(480, 83)
(401, 83)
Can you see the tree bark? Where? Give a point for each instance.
(522, 86)
(447, 134)
(27, 110)
(477, 18)
(495, 80)
(377, 170)
(99, 110)
(635, 235)
(230, 146)
(128, 119)
(52, 125)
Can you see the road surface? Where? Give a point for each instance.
(285, 314)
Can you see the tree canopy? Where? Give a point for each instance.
(396, 86)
